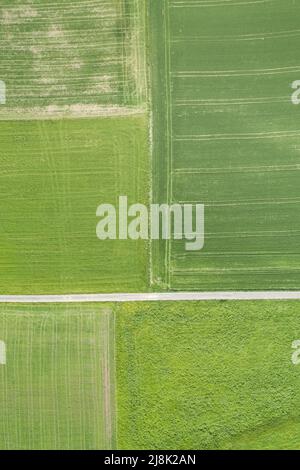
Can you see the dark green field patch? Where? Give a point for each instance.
(230, 140)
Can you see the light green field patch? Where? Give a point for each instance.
(208, 375)
(57, 387)
(54, 175)
(83, 52)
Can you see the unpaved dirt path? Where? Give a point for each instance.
(150, 297)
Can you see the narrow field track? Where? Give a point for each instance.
(152, 297)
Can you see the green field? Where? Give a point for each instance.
(208, 375)
(226, 134)
(54, 176)
(63, 54)
(189, 375)
(74, 135)
(169, 101)
(57, 387)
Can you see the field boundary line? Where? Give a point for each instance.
(152, 296)
(169, 129)
(73, 111)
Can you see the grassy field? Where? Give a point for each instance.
(190, 375)
(57, 387)
(227, 135)
(208, 375)
(74, 135)
(62, 54)
(54, 176)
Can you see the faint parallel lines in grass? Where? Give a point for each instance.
(94, 360)
(239, 37)
(215, 3)
(240, 202)
(30, 387)
(233, 101)
(113, 375)
(141, 51)
(236, 169)
(87, 36)
(240, 270)
(52, 391)
(111, 47)
(239, 136)
(256, 233)
(4, 395)
(68, 21)
(229, 254)
(41, 381)
(107, 374)
(58, 6)
(235, 72)
(123, 49)
(106, 34)
(80, 381)
(55, 410)
(68, 361)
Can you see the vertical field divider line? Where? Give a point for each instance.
(169, 128)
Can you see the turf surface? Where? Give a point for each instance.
(83, 60)
(64, 53)
(57, 387)
(227, 135)
(208, 375)
(54, 176)
(199, 375)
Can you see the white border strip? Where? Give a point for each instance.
(150, 297)
(73, 111)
